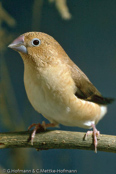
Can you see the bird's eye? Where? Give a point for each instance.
(36, 42)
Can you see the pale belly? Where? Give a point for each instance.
(69, 112)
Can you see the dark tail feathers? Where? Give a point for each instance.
(101, 100)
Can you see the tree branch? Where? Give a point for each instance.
(56, 140)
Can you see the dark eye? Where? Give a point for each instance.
(36, 42)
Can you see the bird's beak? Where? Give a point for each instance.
(18, 45)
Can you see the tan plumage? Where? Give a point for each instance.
(55, 86)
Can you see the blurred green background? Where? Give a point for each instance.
(87, 32)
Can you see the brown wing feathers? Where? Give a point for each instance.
(85, 89)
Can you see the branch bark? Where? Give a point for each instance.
(56, 140)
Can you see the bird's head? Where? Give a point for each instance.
(37, 47)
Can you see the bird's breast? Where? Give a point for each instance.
(49, 91)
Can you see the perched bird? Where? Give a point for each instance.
(56, 87)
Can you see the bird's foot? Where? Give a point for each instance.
(95, 134)
(39, 126)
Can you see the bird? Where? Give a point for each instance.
(56, 87)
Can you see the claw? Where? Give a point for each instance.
(88, 133)
(39, 126)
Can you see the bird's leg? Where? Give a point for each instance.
(95, 133)
(38, 126)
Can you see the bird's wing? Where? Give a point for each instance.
(85, 89)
